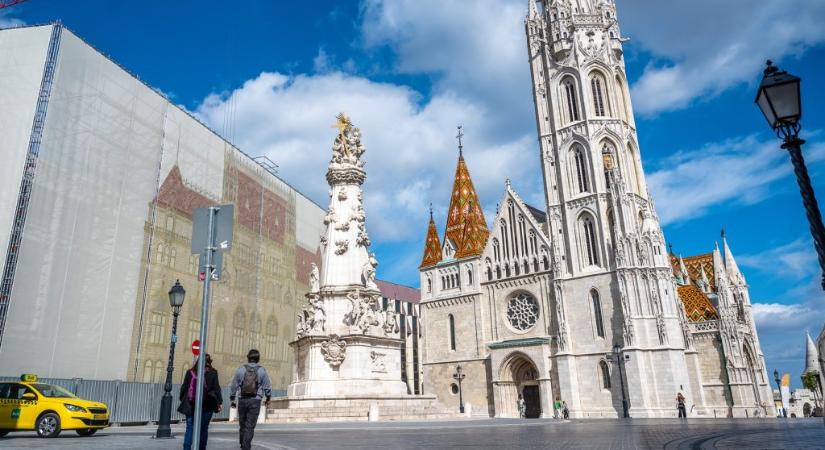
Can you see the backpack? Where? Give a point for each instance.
(249, 385)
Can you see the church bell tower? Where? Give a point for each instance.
(608, 250)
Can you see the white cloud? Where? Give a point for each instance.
(773, 317)
(794, 260)
(739, 170)
(704, 47)
(411, 150)
(472, 49)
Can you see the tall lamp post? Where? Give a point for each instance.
(617, 355)
(780, 101)
(459, 376)
(176, 296)
(779, 388)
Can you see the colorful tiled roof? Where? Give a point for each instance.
(694, 264)
(698, 307)
(466, 226)
(432, 246)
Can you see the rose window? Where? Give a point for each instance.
(523, 312)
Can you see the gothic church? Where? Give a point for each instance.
(580, 300)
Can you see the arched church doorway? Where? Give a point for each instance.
(519, 377)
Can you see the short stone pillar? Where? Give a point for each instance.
(468, 410)
(262, 413)
(373, 415)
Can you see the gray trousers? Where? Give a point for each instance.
(248, 410)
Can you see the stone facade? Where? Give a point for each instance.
(578, 301)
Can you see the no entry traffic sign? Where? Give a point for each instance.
(196, 347)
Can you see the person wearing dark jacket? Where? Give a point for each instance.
(212, 401)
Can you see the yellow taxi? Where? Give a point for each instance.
(28, 405)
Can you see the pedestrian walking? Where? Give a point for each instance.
(680, 405)
(212, 400)
(557, 409)
(522, 408)
(565, 412)
(252, 382)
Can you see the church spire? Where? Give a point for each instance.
(730, 264)
(466, 227)
(811, 355)
(432, 245)
(683, 272)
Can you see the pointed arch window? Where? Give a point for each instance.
(571, 102)
(588, 230)
(597, 313)
(580, 167)
(451, 321)
(597, 90)
(604, 372)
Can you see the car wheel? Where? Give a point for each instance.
(48, 425)
(85, 432)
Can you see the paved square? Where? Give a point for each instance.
(476, 434)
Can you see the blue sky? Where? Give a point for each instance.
(272, 75)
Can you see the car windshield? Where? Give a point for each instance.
(48, 390)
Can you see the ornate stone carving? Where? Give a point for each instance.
(390, 323)
(313, 317)
(342, 226)
(363, 312)
(342, 194)
(324, 242)
(523, 312)
(334, 351)
(363, 239)
(330, 217)
(377, 359)
(341, 246)
(368, 272)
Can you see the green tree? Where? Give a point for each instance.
(811, 382)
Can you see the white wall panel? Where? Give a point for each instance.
(22, 57)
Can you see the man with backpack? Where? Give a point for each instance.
(252, 381)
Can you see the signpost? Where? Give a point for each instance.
(211, 236)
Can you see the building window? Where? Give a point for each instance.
(605, 374)
(570, 100)
(194, 331)
(170, 223)
(148, 367)
(157, 325)
(580, 165)
(469, 277)
(453, 388)
(597, 313)
(429, 284)
(173, 255)
(238, 327)
(523, 312)
(597, 85)
(451, 319)
(589, 234)
(193, 264)
(271, 338)
(220, 329)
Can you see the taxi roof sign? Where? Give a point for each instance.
(28, 377)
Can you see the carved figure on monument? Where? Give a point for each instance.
(368, 272)
(323, 242)
(312, 317)
(314, 279)
(330, 217)
(341, 246)
(363, 239)
(390, 323)
(347, 147)
(342, 194)
(342, 226)
(334, 351)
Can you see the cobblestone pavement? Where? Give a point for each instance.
(668, 434)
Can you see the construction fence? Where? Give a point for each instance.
(130, 402)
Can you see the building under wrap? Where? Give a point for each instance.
(98, 181)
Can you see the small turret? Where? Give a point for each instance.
(432, 245)
(811, 355)
(734, 274)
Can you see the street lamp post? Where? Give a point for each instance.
(459, 376)
(779, 387)
(176, 296)
(780, 101)
(617, 355)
